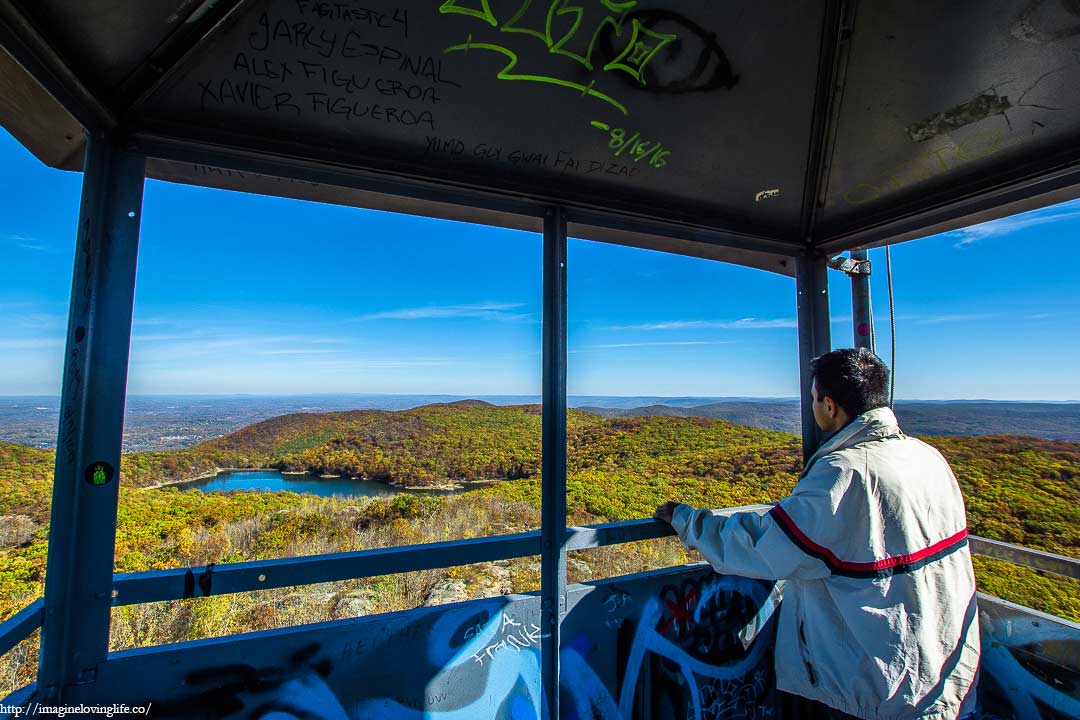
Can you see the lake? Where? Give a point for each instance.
(272, 480)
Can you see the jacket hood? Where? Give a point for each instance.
(870, 425)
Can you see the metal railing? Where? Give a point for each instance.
(202, 581)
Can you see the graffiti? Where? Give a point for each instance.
(563, 161)
(617, 604)
(705, 620)
(298, 689)
(518, 637)
(639, 148)
(766, 194)
(676, 673)
(693, 63)
(507, 73)
(679, 652)
(360, 16)
(735, 698)
(638, 48)
(604, 36)
(509, 688)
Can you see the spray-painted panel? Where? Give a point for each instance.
(679, 643)
(686, 108)
(669, 644)
(1030, 663)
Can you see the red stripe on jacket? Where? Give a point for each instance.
(882, 564)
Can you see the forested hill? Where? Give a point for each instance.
(1018, 489)
(1049, 421)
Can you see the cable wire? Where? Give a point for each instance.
(892, 328)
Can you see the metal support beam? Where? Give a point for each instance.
(812, 288)
(82, 535)
(288, 158)
(553, 460)
(862, 321)
(828, 94)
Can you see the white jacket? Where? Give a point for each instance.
(878, 618)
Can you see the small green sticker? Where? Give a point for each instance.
(99, 473)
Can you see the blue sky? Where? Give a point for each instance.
(246, 294)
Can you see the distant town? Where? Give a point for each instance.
(166, 422)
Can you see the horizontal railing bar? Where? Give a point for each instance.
(1027, 557)
(19, 626)
(615, 533)
(177, 583)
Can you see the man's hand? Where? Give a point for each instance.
(665, 511)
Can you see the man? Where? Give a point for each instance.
(878, 618)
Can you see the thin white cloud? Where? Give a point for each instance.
(300, 351)
(38, 320)
(748, 323)
(1005, 226)
(611, 346)
(944, 318)
(940, 319)
(493, 311)
(31, 343)
(381, 364)
(27, 243)
(223, 338)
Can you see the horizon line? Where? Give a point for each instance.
(477, 396)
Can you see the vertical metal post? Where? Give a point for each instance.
(82, 531)
(861, 320)
(812, 287)
(553, 485)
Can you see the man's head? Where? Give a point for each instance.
(847, 383)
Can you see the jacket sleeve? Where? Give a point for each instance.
(789, 541)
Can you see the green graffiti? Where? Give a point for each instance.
(451, 7)
(511, 25)
(507, 74)
(539, 21)
(635, 146)
(638, 52)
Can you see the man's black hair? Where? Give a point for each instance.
(855, 378)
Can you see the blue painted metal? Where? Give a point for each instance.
(629, 643)
(160, 585)
(662, 645)
(79, 570)
(154, 586)
(1030, 664)
(812, 288)
(19, 626)
(553, 461)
